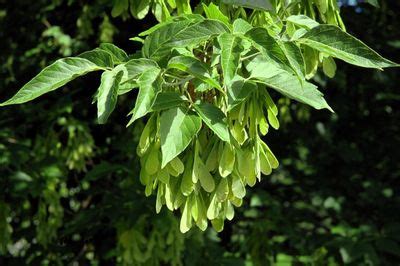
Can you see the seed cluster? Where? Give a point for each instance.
(210, 177)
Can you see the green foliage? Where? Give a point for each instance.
(204, 87)
(196, 49)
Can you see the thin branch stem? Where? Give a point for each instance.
(250, 56)
(172, 84)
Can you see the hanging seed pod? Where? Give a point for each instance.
(202, 213)
(237, 187)
(186, 219)
(163, 176)
(265, 166)
(246, 166)
(329, 67)
(177, 165)
(227, 161)
(152, 164)
(213, 208)
(169, 197)
(212, 158)
(271, 157)
(201, 173)
(146, 136)
(159, 200)
(239, 133)
(222, 190)
(187, 185)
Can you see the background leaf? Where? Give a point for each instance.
(375, 3)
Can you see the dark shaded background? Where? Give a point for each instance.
(69, 189)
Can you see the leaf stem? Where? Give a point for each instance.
(250, 56)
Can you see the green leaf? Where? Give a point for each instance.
(254, 4)
(191, 18)
(331, 40)
(180, 34)
(168, 100)
(107, 94)
(285, 55)
(286, 83)
(214, 118)
(302, 21)
(269, 47)
(157, 44)
(53, 77)
(199, 33)
(139, 8)
(136, 67)
(119, 7)
(239, 91)
(132, 70)
(177, 129)
(294, 57)
(231, 49)
(213, 12)
(149, 86)
(194, 67)
(241, 26)
(118, 55)
(99, 57)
